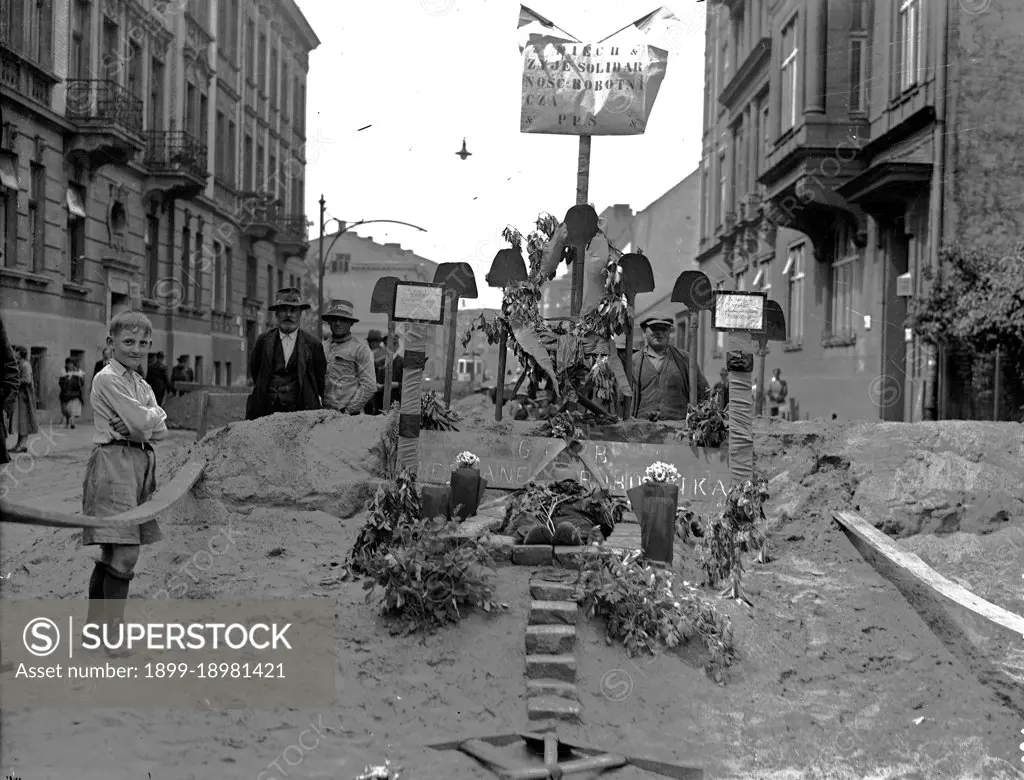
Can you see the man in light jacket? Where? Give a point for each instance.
(351, 380)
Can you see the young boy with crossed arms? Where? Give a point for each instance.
(121, 472)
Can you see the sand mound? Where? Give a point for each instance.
(310, 460)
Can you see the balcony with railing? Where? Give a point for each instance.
(292, 233)
(257, 215)
(108, 122)
(176, 161)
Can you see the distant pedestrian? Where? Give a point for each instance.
(25, 408)
(9, 380)
(181, 373)
(778, 391)
(720, 392)
(158, 377)
(101, 363)
(72, 392)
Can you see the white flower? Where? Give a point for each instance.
(661, 472)
(466, 460)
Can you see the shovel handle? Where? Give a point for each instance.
(486, 754)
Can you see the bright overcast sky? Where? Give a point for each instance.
(426, 73)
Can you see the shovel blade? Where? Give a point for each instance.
(383, 296)
(507, 268)
(581, 222)
(776, 321)
(458, 278)
(693, 290)
(637, 275)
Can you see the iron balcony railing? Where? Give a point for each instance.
(293, 225)
(106, 101)
(171, 151)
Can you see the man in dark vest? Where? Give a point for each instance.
(661, 375)
(287, 365)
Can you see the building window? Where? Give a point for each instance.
(152, 252)
(859, 57)
(227, 373)
(76, 233)
(250, 50)
(261, 182)
(9, 209)
(739, 157)
(272, 172)
(229, 282)
(204, 121)
(218, 278)
(280, 279)
(232, 171)
(341, 263)
(81, 37)
(911, 52)
(706, 197)
(156, 95)
(135, 85)
(261, 64)
(37, 217)
(723, 189)
(216, 372)
(112, 63)
(27, 27)
(790, 95)
(794, 271)
(273, 77)
(192, 110)
(766, 136)
(285, 83)
(248, 161)
(250, 277)
(270, 282)
(841, 305)
(199, 265)
(220, 145)
(186, 263)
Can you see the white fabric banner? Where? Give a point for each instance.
(594, 89)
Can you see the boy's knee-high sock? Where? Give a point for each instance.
(115, 591)
(99, 573)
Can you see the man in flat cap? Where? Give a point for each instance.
(661, 375)
(287, 364)
(351, 380)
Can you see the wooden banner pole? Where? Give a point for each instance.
(412, 387)
(762, 352)
(627, 403)
(449, 358)
(388, 367)
(582, 196)
(499, 389)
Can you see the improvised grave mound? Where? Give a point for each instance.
(310, 460)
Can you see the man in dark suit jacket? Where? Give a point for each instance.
(287, 365)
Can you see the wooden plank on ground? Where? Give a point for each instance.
(163, 500)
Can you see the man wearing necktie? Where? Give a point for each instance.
(287, 365)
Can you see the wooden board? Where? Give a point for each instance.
(981, 634)
(162, 500)
(508, 463)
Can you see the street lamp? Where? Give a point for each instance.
(345, 227)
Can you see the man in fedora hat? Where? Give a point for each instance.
(351, 381)
(287, 365)
(661, 375)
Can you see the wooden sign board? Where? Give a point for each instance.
(743, 311)
(421, 302)
(508, 463)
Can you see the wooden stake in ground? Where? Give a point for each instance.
(582, 196)
(740, 362)
(380, 303)
(412, 387)
(460, 282)
(507, 268)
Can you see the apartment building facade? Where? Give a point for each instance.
(829, 180)
(152, 158)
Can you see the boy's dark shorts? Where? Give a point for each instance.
(118, 478)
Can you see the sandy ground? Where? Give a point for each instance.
(838, 676)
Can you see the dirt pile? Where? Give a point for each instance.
(308, 460)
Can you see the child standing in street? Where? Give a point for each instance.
(72, 392)
(121, 472)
